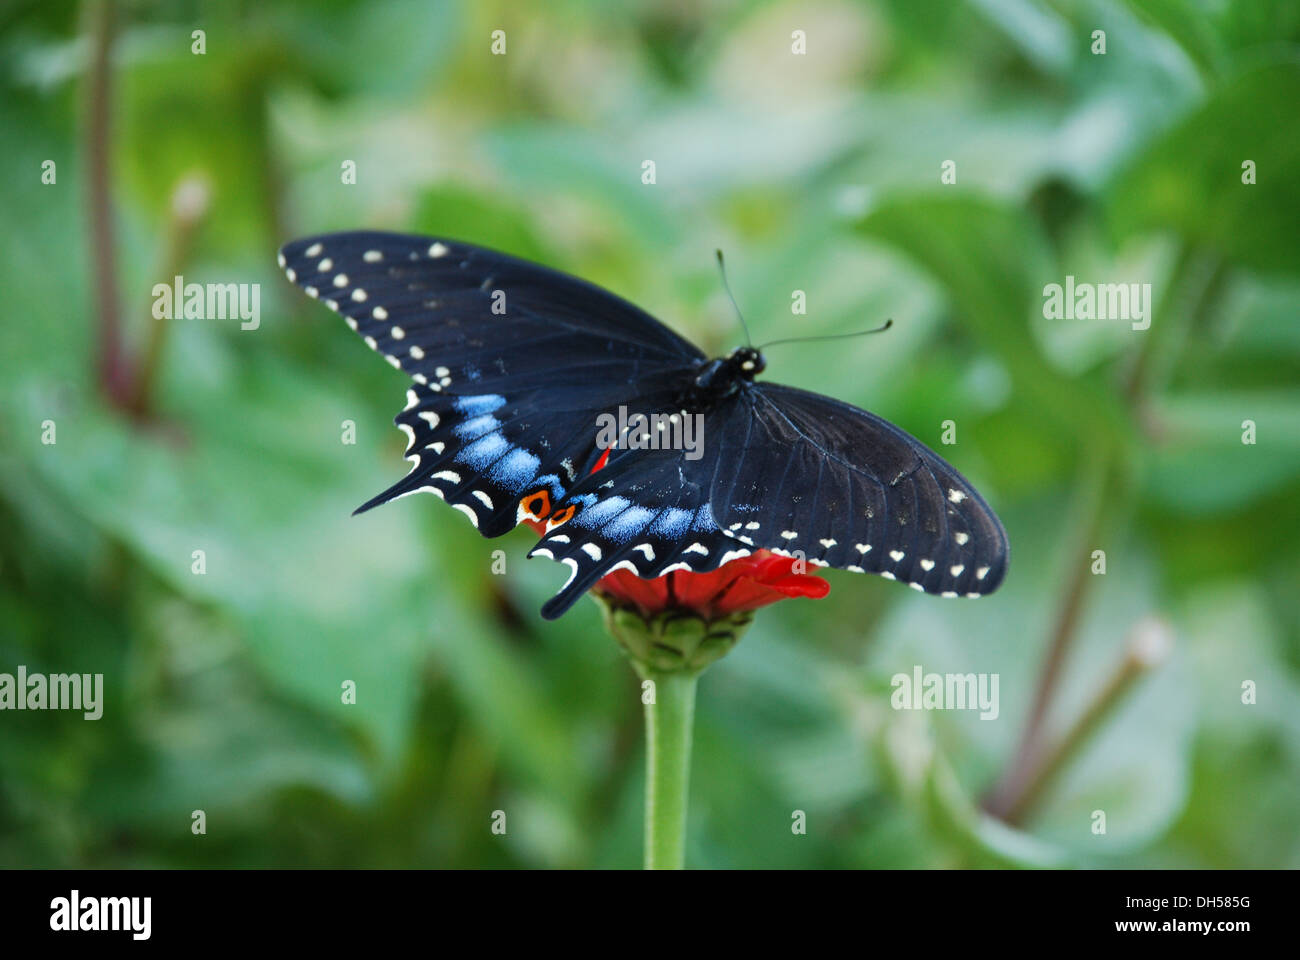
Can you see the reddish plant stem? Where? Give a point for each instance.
(1147, 646)
(1004, 798)
(188, 207)
(112, 365)
(1194, 283)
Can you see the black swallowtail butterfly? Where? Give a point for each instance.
(512, 365)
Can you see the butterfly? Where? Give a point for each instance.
(512, 367)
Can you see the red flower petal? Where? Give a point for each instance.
(636, 591)
(747, 583)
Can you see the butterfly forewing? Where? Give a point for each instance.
(468, 320)
(855, 492)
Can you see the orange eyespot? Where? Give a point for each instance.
(536, 505)
(561, 518)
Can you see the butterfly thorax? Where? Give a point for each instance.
(715, 380)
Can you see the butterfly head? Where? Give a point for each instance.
(718, 379)
(746, 362)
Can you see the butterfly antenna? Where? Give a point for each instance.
(830, 336)
(722, 269)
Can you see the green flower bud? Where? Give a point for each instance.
(673, 640)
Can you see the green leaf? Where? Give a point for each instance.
(1189, 26)
(992, 262)
(1190, 179)
(1202, 464)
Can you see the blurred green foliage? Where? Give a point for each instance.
(816, 172)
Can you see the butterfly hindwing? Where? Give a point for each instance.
(642, 512)
(486, 456)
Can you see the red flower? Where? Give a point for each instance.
(737, 586)
(741, 585)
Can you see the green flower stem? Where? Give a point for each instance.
(669, 725)
(670, 649)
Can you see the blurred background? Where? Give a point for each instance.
(1120, 692)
